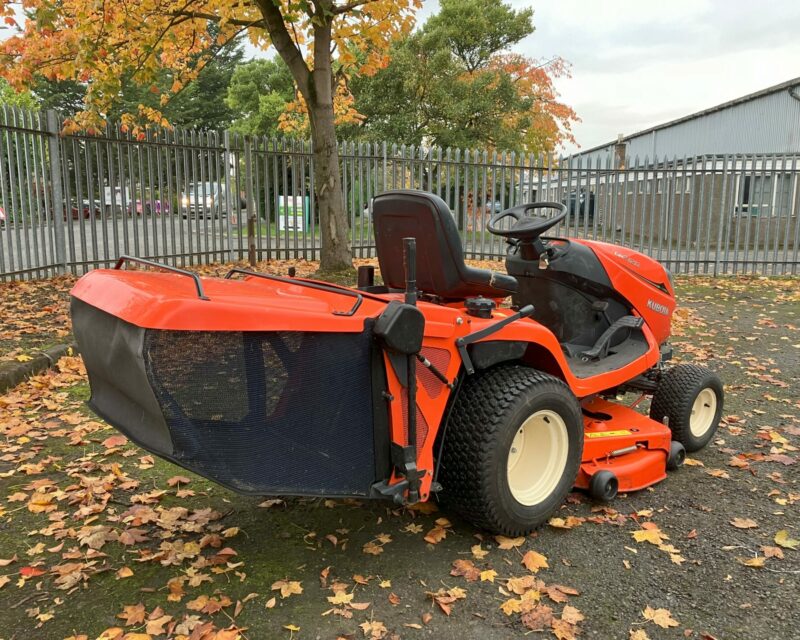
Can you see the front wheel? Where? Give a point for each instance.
(690, 397)
(513, 449)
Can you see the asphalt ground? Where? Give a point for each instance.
(90, 525)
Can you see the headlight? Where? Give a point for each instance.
(185, 201)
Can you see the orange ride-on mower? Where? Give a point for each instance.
(425, 385)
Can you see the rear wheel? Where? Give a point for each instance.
(691, 398)
(513, 449)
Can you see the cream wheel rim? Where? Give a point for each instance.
(703, 411)
(537, 457)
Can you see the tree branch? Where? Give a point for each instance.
(287, 49)
(338, 10)
(199, 15)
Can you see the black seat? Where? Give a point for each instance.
(440, 261)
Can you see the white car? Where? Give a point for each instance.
(209, 199)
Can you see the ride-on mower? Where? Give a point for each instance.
(424, 385)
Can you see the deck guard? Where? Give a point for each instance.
(273, 412)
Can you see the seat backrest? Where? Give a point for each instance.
(441, 270)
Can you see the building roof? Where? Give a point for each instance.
(789, 84)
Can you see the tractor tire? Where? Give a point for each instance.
(691, 398)
(513, 449)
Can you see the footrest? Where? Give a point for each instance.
(600, 348)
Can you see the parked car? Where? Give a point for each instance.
(581, 204)
(2, 217)
(209, 199)
(152, 206)
(494, 207)
(119, 200)
(82, 211)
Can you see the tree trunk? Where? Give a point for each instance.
(317, 87)
(336, 254)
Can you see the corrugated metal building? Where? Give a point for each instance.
(764, 122)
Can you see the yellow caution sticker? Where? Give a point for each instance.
(609, 434)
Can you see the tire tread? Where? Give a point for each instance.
(476, 424)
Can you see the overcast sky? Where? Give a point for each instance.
(639, 63)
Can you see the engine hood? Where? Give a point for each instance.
(637, 263)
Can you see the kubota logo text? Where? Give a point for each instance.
(657, 307)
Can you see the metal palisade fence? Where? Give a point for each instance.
(73, 202)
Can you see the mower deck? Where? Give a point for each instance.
(628, 444)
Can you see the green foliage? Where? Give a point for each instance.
(13, 98)
(258, 93)
(200, 104)
(475, 30)
(456, 83)
(65, 96)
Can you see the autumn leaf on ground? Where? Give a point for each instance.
(638, 634)
(488, 575)
(534, 561)
(465, 568)
(509, 543)
(539, 618)
(572, 615)
(650, 533)
(176, 480)
(287, 587)
(132, 614)
(439, 532)
(478, 552)
(341, 597)
(744, 523)
(563, 630)
(436, 535)
(522, 584)
(782, 539)
(446, 598)
(566, 523)
(374, 629)
(756, 562)
(375, 546)
(661, 617)
(114, 441)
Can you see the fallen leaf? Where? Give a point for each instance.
(287, 587)
(114, 441)
(478, 552)
(756, 562)
(661, 617)
(782, 539)
(534, 561)
(509, 543)
(744, 523)
(132, 614)
(488, 575)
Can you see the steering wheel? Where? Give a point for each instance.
(526, 227)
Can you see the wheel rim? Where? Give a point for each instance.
(537, 457)
(703, 411)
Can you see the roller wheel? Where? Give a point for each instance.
(691, 398)
(604, 486)
(677, 456)
(513, 449)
